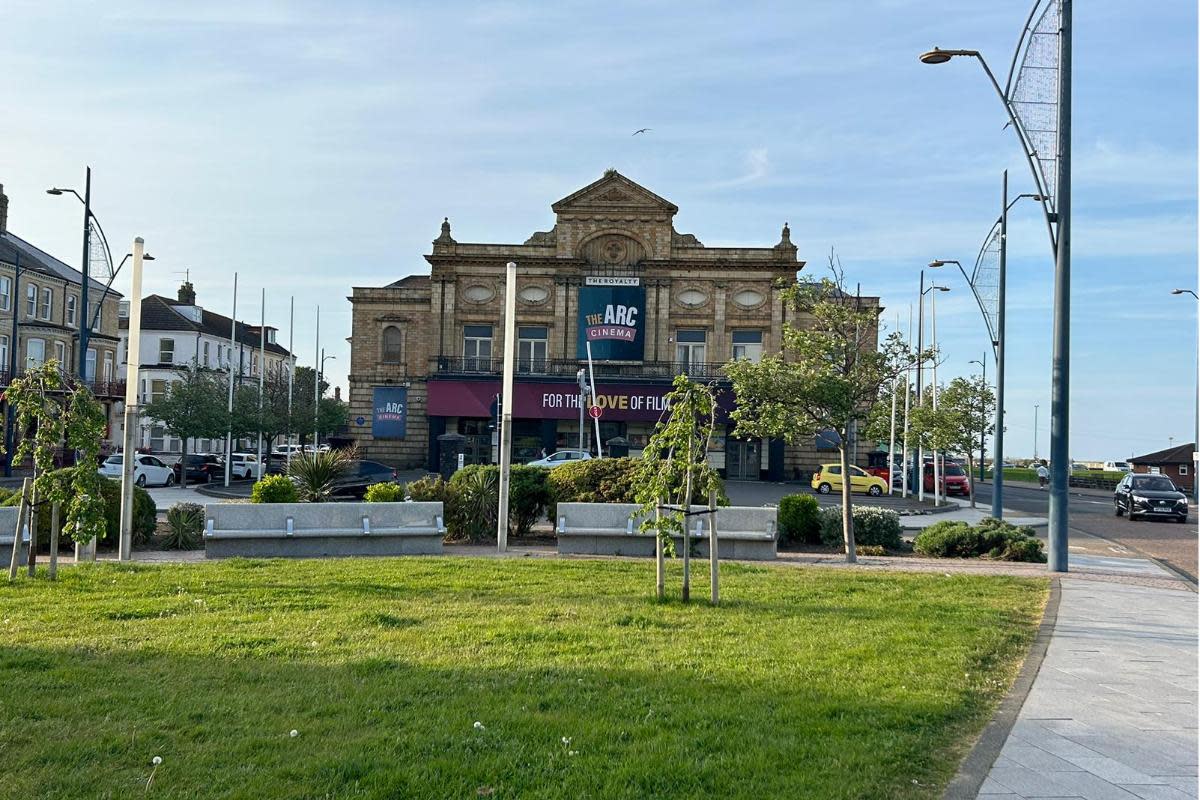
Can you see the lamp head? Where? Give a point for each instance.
(54, 190)
(147, 257)
(1177, 291)
(935, 56)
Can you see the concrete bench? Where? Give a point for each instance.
(315, 530)
(611, 529)
(8, 529)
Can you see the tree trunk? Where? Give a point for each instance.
(659, 578)
(847, 510)
(713, 550)
(971, 476)
(54, 525)
(687, 542)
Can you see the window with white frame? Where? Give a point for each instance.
(47, 302)
(31, 296)
(531, 348)
(689, 348)
(5, 293)
(747, 345)
(99, 316)
(108, 366)
(35, 353)
(71, 310)
(1183, 469)
(477, 347)
(158, 436)
(166, 351)
(89, 370)
(60, 354)
(158, 390)
(205, 362)
(4, 353)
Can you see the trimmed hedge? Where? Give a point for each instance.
(384, 493)
(274, 489)
(991, 538)
(872, 526)
(597, 480)
(144, 515)
(800, 519)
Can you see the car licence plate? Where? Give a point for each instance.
(1164, 509)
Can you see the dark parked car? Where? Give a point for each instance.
(1150, 496)
(201, 468)
(361, 474)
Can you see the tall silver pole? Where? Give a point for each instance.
(907, 392)
(920, 466)
(579, 378)
(595, 400)
(1035, 433)
(891, 456)
(232, 340)
(507, 401)
(937, 472)
(998, 436)
(318, 368)
(133, 357)
(291, 372)
(1060, 383)
(262, 374)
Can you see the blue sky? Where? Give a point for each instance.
(314, 147)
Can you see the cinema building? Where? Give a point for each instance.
(612, 273)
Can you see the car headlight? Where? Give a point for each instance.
(1141, 501)
(1181, 501)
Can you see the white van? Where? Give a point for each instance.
(1116, 466)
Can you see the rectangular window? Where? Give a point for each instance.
(89, 370)
(5, 294)
(108, 366)
(35, 353)
(1183, 469)
(689, 349)
(531, 349)
(31, 295)
(477, 348)
(4, 354)
(205, 361)
(158, 390)
(99, 317)
(47, 302)
(747, 345)
(157, 437)
(71, 301)
(166, 351)
(60, 353)
(254, 363)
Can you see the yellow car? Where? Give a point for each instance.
(829, 479)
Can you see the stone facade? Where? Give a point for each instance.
(698, 304)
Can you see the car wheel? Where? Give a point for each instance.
(1181, 520)
(170, 480)
(141, 481)
(874, 491)
(824, 488)
(1117, 510)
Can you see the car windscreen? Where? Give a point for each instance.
(1155, 483)
(954, 471)
(114, 460)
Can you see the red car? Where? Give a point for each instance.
(954, 479)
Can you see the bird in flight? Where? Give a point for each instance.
(642, 130)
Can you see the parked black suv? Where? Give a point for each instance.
(1150, 496)
(359, 475)
(201, 468)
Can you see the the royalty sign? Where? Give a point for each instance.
(611, 318)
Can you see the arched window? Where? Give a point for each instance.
(393, 341)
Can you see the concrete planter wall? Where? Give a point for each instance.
(611, 529)
(8, 531)
(316, 530)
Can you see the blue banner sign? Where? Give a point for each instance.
(612, 320)
(390, 416)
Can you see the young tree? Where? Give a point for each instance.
(965, 408)
(827, 376)
(674, 469)
(333, 414)
(193, 406)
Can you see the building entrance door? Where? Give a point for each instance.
(742, 459)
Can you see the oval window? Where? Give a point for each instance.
(478, 293)
(534, 294)
(748, 298)
(692, 298)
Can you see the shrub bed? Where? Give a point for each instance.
(144, 515)
(799, 519)
(384, 493)
(991, 538)
(274, 489)
(872, 526)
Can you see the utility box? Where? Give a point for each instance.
(617, 447)
(450, 446)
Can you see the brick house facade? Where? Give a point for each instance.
(428, 347)
(1174, 462)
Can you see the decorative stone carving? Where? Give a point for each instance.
(684, 239)
(478, 293)
(445, 238)
(614, 195)
(534, 295)
(549, 237)
(613, 250)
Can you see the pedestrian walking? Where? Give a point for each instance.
(1043, 475)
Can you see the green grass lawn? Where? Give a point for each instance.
(805, 683)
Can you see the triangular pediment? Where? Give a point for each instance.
(617, 193)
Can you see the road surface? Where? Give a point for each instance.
(1092, 514)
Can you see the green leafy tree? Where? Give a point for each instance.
(965, 407)
(332, 414)
(193, 406)
(60, 411)
(828, 375)
(674, 469)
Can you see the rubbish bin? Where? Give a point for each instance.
(617, 447)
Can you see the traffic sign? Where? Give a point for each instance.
(595, 412)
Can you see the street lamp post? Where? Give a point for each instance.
(1058, 224)
(129, 452)
(1196, 447)
(87, 255)
(317, 401)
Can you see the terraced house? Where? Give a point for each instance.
(41, 313)
(613, 279)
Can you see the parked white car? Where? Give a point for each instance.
(147, 470)
(281, 450)
(560, 457)
(245, 465)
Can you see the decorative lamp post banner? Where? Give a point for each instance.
(612, 319)
(390, 416)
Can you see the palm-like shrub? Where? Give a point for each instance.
(479, 497)
(316, 473)
(185, 521)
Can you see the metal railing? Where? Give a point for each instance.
(97, 386)
(566, 367)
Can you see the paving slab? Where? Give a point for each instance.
(1105, 719)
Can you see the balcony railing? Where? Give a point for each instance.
(98, 387)
(566, 367)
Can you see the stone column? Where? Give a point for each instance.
(558, 338)
(721, 349)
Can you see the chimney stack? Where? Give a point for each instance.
(187, 294)
(3, 210)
